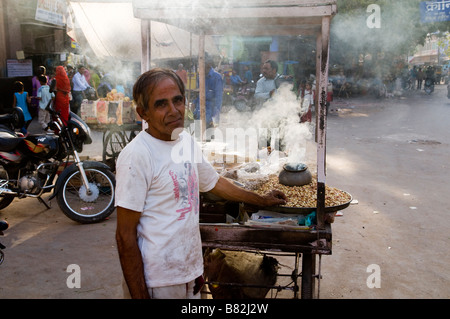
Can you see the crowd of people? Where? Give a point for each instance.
(66, 87)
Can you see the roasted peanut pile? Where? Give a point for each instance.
(306, 195)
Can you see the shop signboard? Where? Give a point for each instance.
(435, 11)
(19, 68)
(51, 11)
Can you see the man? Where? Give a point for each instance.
(235, 80)
(159, 175)
(248, 76)
(79, 85)
(214, 94)
(267, 85)
(182, 73)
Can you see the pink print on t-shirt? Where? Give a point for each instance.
(185, 189)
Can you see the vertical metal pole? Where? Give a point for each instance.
(146, 51)
(146, 47)
(202, 85)
(189, 88)
(322, 121)
(318, 68)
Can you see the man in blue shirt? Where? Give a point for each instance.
(79, 85)
(214, 93)
(235, 80)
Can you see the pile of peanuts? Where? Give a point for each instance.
(306, 195)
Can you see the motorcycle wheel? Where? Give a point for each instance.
(87, 208)
(240, 105)
(5, 200)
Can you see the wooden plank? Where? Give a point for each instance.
(229, 3)
(218, 17)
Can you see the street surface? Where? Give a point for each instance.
(392, 155)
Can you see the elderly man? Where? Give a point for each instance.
(159, 175)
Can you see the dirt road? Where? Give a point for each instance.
(391, 155)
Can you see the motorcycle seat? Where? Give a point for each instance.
(8, 140)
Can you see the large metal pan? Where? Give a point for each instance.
(308, 210)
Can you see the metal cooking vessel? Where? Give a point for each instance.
(295, 174)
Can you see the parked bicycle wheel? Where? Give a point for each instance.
(114, 142)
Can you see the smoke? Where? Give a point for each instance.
(281, 112)
(248, 134)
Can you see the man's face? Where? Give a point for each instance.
(165, 110)
(268, 72)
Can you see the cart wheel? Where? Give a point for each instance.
(112, 146)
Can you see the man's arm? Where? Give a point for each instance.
(228, 190)
(129, 253)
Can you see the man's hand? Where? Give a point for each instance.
(229, 191)
(274, 197)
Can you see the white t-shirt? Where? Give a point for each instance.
(45, 95)
(162, 180)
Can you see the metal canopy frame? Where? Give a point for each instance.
(252, 18)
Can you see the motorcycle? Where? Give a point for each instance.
(36, 164)
(243, 98)
(429, 85)
(3, 226)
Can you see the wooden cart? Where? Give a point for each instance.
(258, 18)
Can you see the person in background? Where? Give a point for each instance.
(44, 96)
(248, 76)
(95, 79)
(306, 104)
(214, 95)
(235, 80)
(106, 85)
(36, 84)
(157, 195)
(87, 75)
(79, 86)
(182, 73)
(267, 85)
(21, 100)
(61, 86)
(420, 78)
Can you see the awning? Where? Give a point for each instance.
(111, 30)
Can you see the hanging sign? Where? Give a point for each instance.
(51, 11)
(435, 11)
(19, 68)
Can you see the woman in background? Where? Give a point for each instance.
(61, 87)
